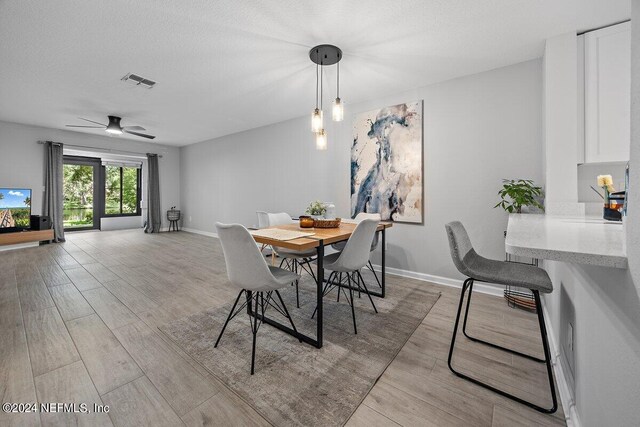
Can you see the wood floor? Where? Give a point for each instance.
(78, 323)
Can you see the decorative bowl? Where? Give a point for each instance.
(306, 222)
(327, 223)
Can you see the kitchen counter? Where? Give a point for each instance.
(581, 240)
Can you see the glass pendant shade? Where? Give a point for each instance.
(338, 110)
(321, 140)
(316, 120)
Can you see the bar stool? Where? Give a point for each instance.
(479, 269)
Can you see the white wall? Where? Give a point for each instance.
(561, 122)
(22, 160)
(477, 130)
(604, 307)
(602, 304)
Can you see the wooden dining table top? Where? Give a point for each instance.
(327, 235)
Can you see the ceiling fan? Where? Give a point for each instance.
(114, 127)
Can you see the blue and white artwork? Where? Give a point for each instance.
(386, 163)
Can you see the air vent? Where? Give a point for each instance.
(138, 80)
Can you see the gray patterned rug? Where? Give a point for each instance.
(297, 384)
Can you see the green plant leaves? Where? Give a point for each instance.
(518, 193)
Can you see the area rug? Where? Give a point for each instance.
(297, 384)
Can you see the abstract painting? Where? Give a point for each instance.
(386, 163)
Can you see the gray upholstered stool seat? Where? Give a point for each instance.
(506, 273)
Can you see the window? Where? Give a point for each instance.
(121, 190)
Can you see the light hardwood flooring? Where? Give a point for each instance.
(78, 323)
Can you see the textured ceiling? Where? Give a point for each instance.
(225, 66)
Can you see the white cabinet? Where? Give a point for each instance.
(607, 94)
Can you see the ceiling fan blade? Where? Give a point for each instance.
(87, 120)
(138, 134)
(133, 128)
(92, 127)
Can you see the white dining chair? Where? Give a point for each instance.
(248, 271)
(374, 244)
(349, 262)
(296, 261)
(263, 222)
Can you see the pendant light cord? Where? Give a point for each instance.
(321, 85)
(338, 79)
(316, 86)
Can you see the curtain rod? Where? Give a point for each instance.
(109, 150)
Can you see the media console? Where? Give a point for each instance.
(25, 237)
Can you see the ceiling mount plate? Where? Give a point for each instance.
(325, 54)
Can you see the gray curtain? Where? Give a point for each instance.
(53, 198)
(154, 219)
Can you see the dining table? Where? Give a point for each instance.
(318, 239)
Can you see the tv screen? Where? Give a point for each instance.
(15, 209)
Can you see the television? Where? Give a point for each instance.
(15, 209)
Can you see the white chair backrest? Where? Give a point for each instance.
(263, 219)
(355, 254)
(280, 218)
(246, 267)
(365, 215)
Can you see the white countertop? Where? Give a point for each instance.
(582, 240)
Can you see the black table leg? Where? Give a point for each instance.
(384, 256)
(320, 284)
(317, 341)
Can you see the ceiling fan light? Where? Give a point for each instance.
(321, 140)
(338, 110)
(316, 120)
(113, 130)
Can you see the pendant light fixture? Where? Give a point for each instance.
(316, 116)
(338, 106)
(321, 140)
(324, 55)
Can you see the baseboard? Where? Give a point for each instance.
(18, 246)
(566, 397)
(496, 290)
(204, 233)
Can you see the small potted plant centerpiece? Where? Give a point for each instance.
(316, 209)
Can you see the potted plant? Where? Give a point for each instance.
(316, 209)
(517, 193)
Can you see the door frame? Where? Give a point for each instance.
(98, 192)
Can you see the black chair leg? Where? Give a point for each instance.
(367, 291)
(353, 310)
(325, 291)
(370, 266)
(468, 284)
(547, 352)
(295, 267)
(466, 334)
(254, 331)
(284, 307)
(228, 318)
